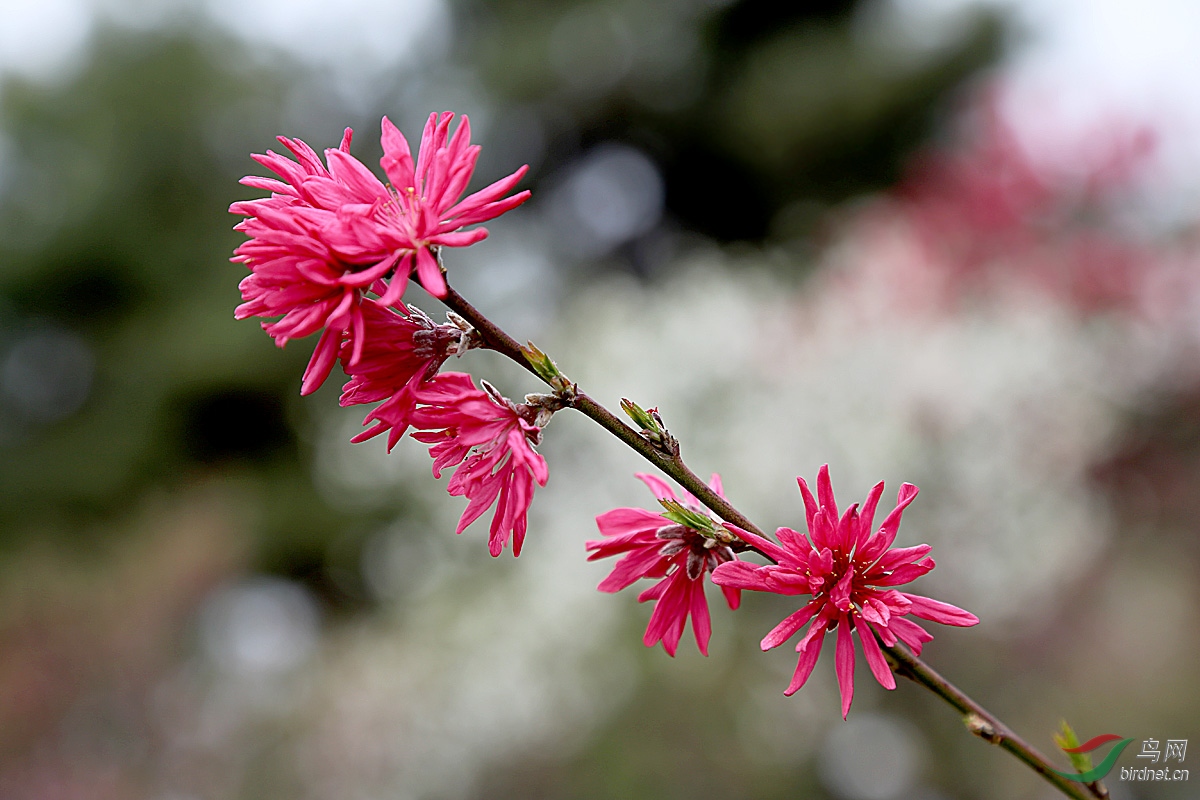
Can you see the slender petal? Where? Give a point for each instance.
(698, 607)
(910, 633)
(844, 663)
(792, 623)
(769, 548)
(657, 486)
(867, 518)
(323, 359)
(875, 660)
(810, 651)
(742, 575)
(887, 531)
(627, 520)
(937, 611)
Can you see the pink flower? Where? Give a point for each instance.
(657, 547)
(424, 209)
(400, 351)
(490, 440)
(849, 572)
(295, 271)
(327, 234)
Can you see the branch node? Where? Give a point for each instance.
(652, 428)
(982, 728)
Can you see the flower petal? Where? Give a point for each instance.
(875, 660)
(844, 664)
(742, 575)
(430, 274)
(810, 650)
(397, 159)
(937, 611)
(766, 546)
(867, 518)
(825, 491)
(670, 613)
(621, 521)
(323, 358)
(910, 633)
(810, 503)
(790, 624)
(635, 565)
(887, 531)
(701, 622)
(657, 486)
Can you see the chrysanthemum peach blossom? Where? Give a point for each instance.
(424, 209)
(295, 272)
(490, 441)
(657, 547)
(849, 571)
(402, 349)
(327, 234)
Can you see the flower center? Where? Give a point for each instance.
(703, 552)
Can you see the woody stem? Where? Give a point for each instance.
(496, 339)
(978, 720)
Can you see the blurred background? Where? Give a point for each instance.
(942, 241)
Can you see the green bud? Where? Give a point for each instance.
(1082, 762)
(651, 427)
(639, 416)
(547, 370)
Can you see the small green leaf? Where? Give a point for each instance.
(639, 416)
(682, 515)
(546, 369)
(1082, 762)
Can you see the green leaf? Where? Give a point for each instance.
(639, 416)
(682, 515)
(547, 370)
(1082, 762)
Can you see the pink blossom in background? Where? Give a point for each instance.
(849, 573)
(986, 213)
(401, 349)
(489, 441)
(327, 234)
(657, 547)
